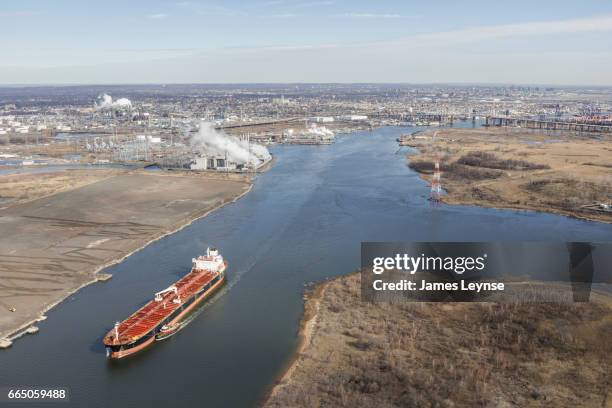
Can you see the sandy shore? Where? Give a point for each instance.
(312, 303)
(447, 354)
(53, 246)
(564, 174)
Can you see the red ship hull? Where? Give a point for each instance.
(157, 317)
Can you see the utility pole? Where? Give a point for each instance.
(436, 187)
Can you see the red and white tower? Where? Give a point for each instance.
(436, 186)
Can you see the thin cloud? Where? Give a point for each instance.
(314, 4)
(273, 2)
(209, 9)
(537, 28)
(296, 4)
(449, 38)
(371, 15)
(158, 16)
(20, 13)
(284, 15)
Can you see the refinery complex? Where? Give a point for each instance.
(306, 204)
(227, 128)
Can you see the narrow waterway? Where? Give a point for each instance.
(302, 222)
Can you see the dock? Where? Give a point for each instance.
(547, 124)
(103, 277)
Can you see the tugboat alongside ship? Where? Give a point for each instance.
(170, 310)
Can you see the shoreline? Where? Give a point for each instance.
(308, 321)
(14, 334)
(554, 179)
(373, 363)
(448, 200)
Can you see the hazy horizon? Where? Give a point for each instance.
(406, 84)
(305, 41)
(413, 84)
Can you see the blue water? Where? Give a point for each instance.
(303, 221)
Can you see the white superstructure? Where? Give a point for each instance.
(212, 261)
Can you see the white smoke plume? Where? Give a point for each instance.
(321, 131)
(105, 101)
(212, 141)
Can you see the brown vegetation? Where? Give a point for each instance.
(507, 168)
(422, 166)
(491, 161)
(19, 188)
(455, 170)
(568, 193)
(451, 354)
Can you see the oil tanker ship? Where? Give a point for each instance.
(170, 308)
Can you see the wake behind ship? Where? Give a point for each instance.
(166, 314)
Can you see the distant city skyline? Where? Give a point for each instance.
(301, 41)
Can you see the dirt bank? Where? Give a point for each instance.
(449, 354)
(566, 174)
(21, 188)
(52, 246)
(312, 302)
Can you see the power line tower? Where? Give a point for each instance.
(436, 186)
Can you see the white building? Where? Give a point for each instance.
(323, 119)
(354, 118)
(212, 163)
(148, 138)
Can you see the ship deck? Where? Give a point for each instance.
(153, 313)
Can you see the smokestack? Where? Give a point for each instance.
(212, 141)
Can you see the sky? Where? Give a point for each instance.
(437, 41)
